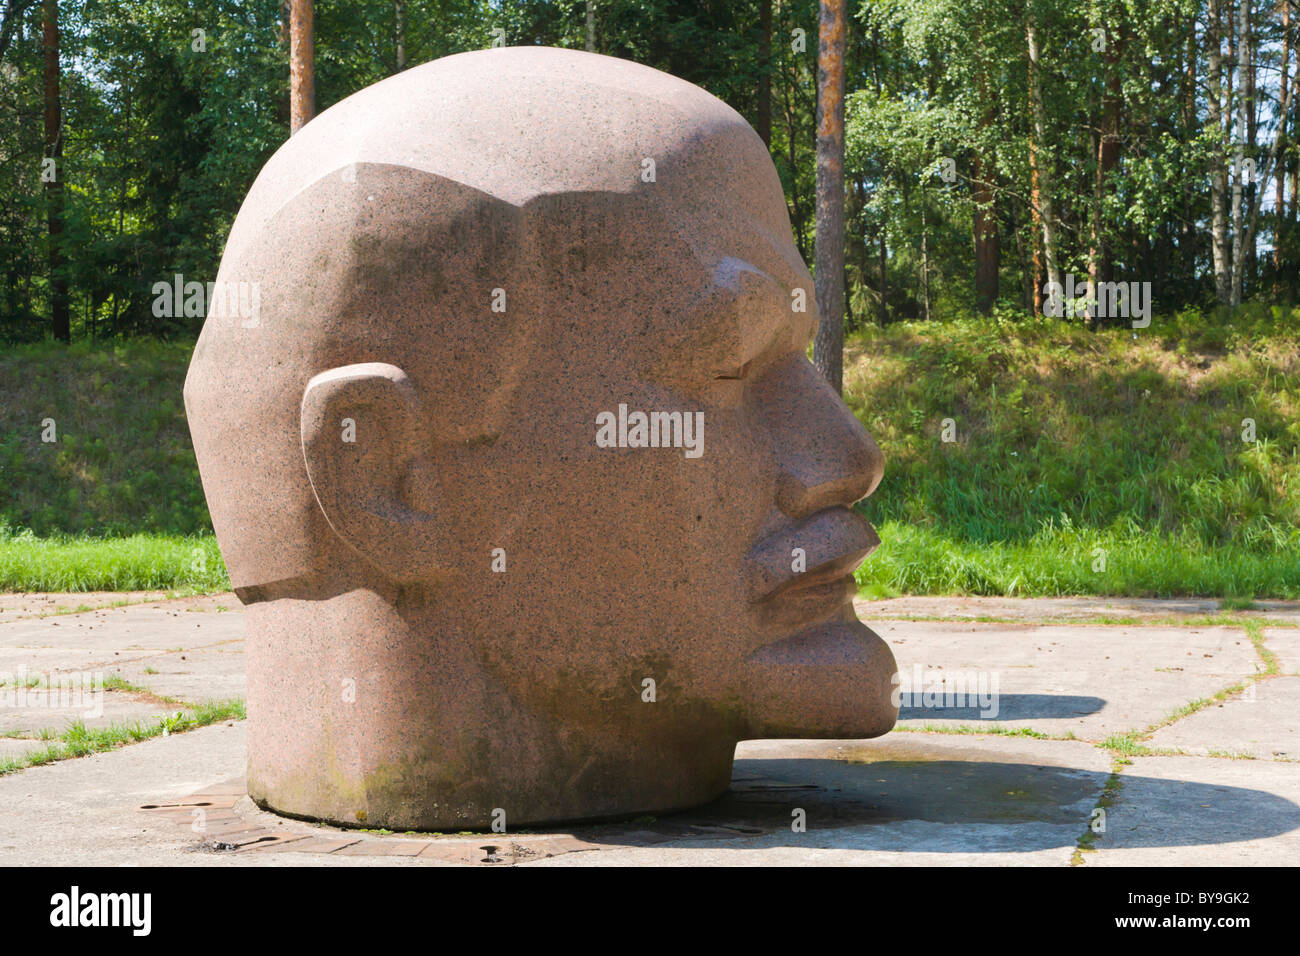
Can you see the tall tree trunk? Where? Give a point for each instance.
(1187, 240)
(984, 219)
(925, 264)
(1252, 128)
(1039, 274)
(302, 64)
(399, 33)
(1242, 65)
(1101, 264)
(1218, 165)
(60, 314)
(828, 245)
(1279, 193)
(1041, 168)
(591, 26)
(1250, 216)
(882, 309)
(765, 71)
(984, 214)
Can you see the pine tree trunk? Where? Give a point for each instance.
(984, 219)
(302, 65)
(828, 245)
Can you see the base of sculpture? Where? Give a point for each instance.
(384, 801)
(345, 727)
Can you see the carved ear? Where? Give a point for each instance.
(362, 427)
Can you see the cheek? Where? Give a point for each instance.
(637, 535)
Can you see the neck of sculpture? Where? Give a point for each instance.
(372, 709)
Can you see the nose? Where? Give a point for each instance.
(825, 458)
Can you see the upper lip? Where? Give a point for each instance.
(834, 542)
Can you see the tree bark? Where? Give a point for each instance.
(1251, 184)
(828, 244)
(1042, 170)
(302, 64)
(60, 313)
(1242, 66)
(1101, 264)
(1218, 166)
(1279, 193)
(399, 33)
(984, 218)
(591, 26)
(1251, 215)
(765, 72)
(925, 265)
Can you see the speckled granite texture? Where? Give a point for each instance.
(536, 502)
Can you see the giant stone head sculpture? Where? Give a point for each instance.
(536, 503)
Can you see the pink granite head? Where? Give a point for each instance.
(517, 458)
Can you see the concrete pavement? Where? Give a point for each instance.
(1088, 732)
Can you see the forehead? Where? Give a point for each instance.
(699, 260)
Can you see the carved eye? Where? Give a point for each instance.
(734, 374)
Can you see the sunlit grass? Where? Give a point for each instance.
(1069, 441)
(141, 562)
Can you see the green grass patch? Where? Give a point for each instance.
(122, 462)
(78, 740)
(996, 730)
(141, 562)
(1073, 446)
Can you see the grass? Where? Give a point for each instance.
(1071, 447)
(78, 740)
(141, 562)
(979, 730)
(1069, 441)
(122, 463)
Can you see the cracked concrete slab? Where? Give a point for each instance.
(1202, 811)
(212, 672)
(1285, 643)
(1263, 722)
(125, 640)
(901, 799)
(1092, 681)
(20, 605)
(32, 710)
(910, 798)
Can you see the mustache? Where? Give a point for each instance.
(835, 541)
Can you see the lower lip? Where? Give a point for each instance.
(812, 603)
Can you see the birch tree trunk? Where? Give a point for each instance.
(1218, 167)
(1042, 169)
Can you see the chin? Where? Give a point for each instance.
(831, 680)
